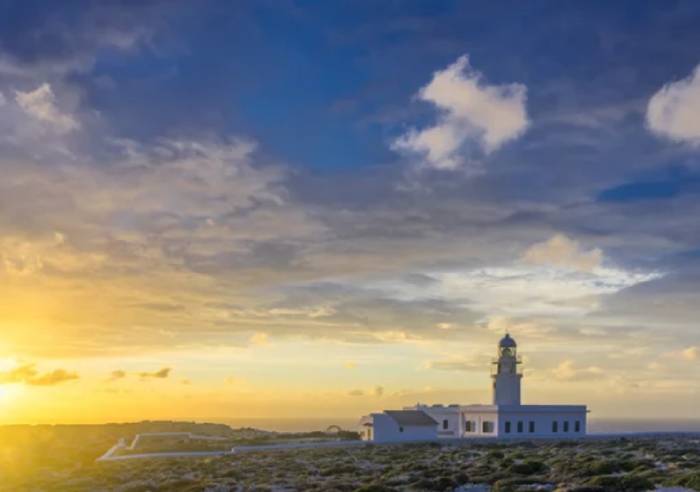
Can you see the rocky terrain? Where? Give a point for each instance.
(612, 464)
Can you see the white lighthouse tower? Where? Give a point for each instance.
(506, 380)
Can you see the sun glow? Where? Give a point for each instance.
(8, 393)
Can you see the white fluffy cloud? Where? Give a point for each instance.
(674, 111)
(40, 104)
(560, 251)
(532, 291)
(556, 277)
(472, 114)
(567, 371)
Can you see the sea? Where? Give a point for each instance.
(595, 426)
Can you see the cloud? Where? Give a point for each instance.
(472, 113)
(674, 111)
(259, 338)
(51, 378)
(19, 257)
(377, 391)
(691, 353)
(57, 44)
(455, 365)
(40, 104)
(504, 324)
(198, 215)
(567, 371)
(19, 374)
(118, 374)
(160, 374)
(27, 374)
(561, 251)
(530, 291)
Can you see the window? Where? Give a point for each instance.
(566, 426)
(531, 426)
(487, 427)
(577, 426)
(507, 427)
(445, 424)
(555, 426)
(520, 427)
(469, 426)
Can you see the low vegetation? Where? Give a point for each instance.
(595, 465)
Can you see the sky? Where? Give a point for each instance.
(287, 209)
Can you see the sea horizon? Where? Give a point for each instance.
(613, 425)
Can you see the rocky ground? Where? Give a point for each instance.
(621, 464)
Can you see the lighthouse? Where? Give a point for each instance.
(505, 417)
(506, 380)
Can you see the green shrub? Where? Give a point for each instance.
(374, 488)
(690, 480)
(461, 478)
(511, 484)
(529, 467)
(601, 468)
(636, 482)
(622, 483)
(614, 481)
(338, 470)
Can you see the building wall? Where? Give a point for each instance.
(478, 419)
(457, 418)
(506, 389)
(543, 421)
(385, 429)
(366, 428)
(448, 419)
(496, 418)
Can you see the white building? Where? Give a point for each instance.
(506, 417)
(398, 426)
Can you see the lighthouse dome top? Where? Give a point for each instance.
(507, 342)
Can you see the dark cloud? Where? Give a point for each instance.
(668, 306)
(160, 374)
(34, 35)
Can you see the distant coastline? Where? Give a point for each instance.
(595, 426)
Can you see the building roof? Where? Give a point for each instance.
(507, 341)
(411, 417)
